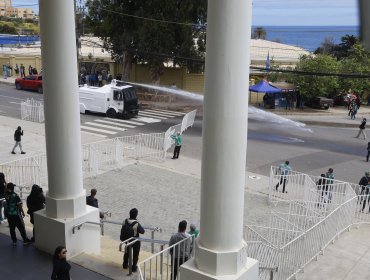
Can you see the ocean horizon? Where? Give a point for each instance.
(307, 37)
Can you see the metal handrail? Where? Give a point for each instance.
(78, 226)
(131, 241)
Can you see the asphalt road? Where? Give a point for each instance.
(268, 144)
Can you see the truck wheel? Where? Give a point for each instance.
(18, 86)
(111, 113)
(39, 89)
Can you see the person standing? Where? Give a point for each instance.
(16, 69)
(15, 214)
(30, 70)
(61, 267)
(362, 129)
(284, 170)
(133, 225)
(35, 202)
(100, 80)
(178, 142)
(181, 252)
(193, 230)
(5, 71)
(329, 183)
(17, 138)
(368, 151)
(93, 201)
(22, 70)
(2, 196)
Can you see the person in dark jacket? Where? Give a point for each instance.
(138, 229)
(2, 196)
(17, 138)
(15, 214)
(35, 202)
(92, 201)
(368, 151)
(362, 129)
(61, 267)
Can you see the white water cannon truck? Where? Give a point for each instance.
(116, 99)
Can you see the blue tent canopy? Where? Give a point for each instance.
(265, 87)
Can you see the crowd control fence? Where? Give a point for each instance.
(32, 110)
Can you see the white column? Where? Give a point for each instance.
(65, 200)
(220, 249)
(364, 6)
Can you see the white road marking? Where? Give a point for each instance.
(148, 120)
(114, 123)
(95, 134)
(125, 121)
(166, 111)
(98, 130)
(151, 115)
(173, 114)
(105, 126)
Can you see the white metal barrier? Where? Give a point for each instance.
(32, 110)
(166, 263)
(310, 216)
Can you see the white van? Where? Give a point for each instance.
(115, 99)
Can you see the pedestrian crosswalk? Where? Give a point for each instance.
(107, 127)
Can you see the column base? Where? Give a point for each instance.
(189, 271)
(51, 232)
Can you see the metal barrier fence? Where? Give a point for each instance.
(32, 110)
(310, 216)
(166, 263)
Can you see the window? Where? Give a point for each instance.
(117, 95)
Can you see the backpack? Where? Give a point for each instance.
(127, 230)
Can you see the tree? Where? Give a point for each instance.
(259, 33)
(340, 50)
(358, 61)
(152, 32)
(326, 46)
(6, 29)
(315, 85)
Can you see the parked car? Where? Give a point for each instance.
(32, 82)
(320, 102)
(344, 99)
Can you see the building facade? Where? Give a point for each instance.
(4, 5)
(23, 13)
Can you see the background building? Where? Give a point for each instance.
(23, 13)
(4, 4)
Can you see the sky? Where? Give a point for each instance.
(286, 12)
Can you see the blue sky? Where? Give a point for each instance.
(287, 12)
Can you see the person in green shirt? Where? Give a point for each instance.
(15, 214)
(178, 142)
(193, 230)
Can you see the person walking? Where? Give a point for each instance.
(178, 142)
(2, 196)
(61, 267)
(91, 200)
(15, 214)
(284, 170)
(181, 252)
(17, 138)
(368, 151)
(131, 228)
(362, 129)
(35, 202)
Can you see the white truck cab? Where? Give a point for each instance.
(115, 99)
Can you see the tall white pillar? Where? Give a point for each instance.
(220, 249)
(65, 200)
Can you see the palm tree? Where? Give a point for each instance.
(259, 33)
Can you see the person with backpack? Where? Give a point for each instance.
(131, 228)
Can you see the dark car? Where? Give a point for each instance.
(32, 82)
(320, 102)
(344, 99)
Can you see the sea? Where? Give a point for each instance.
(308, 37)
